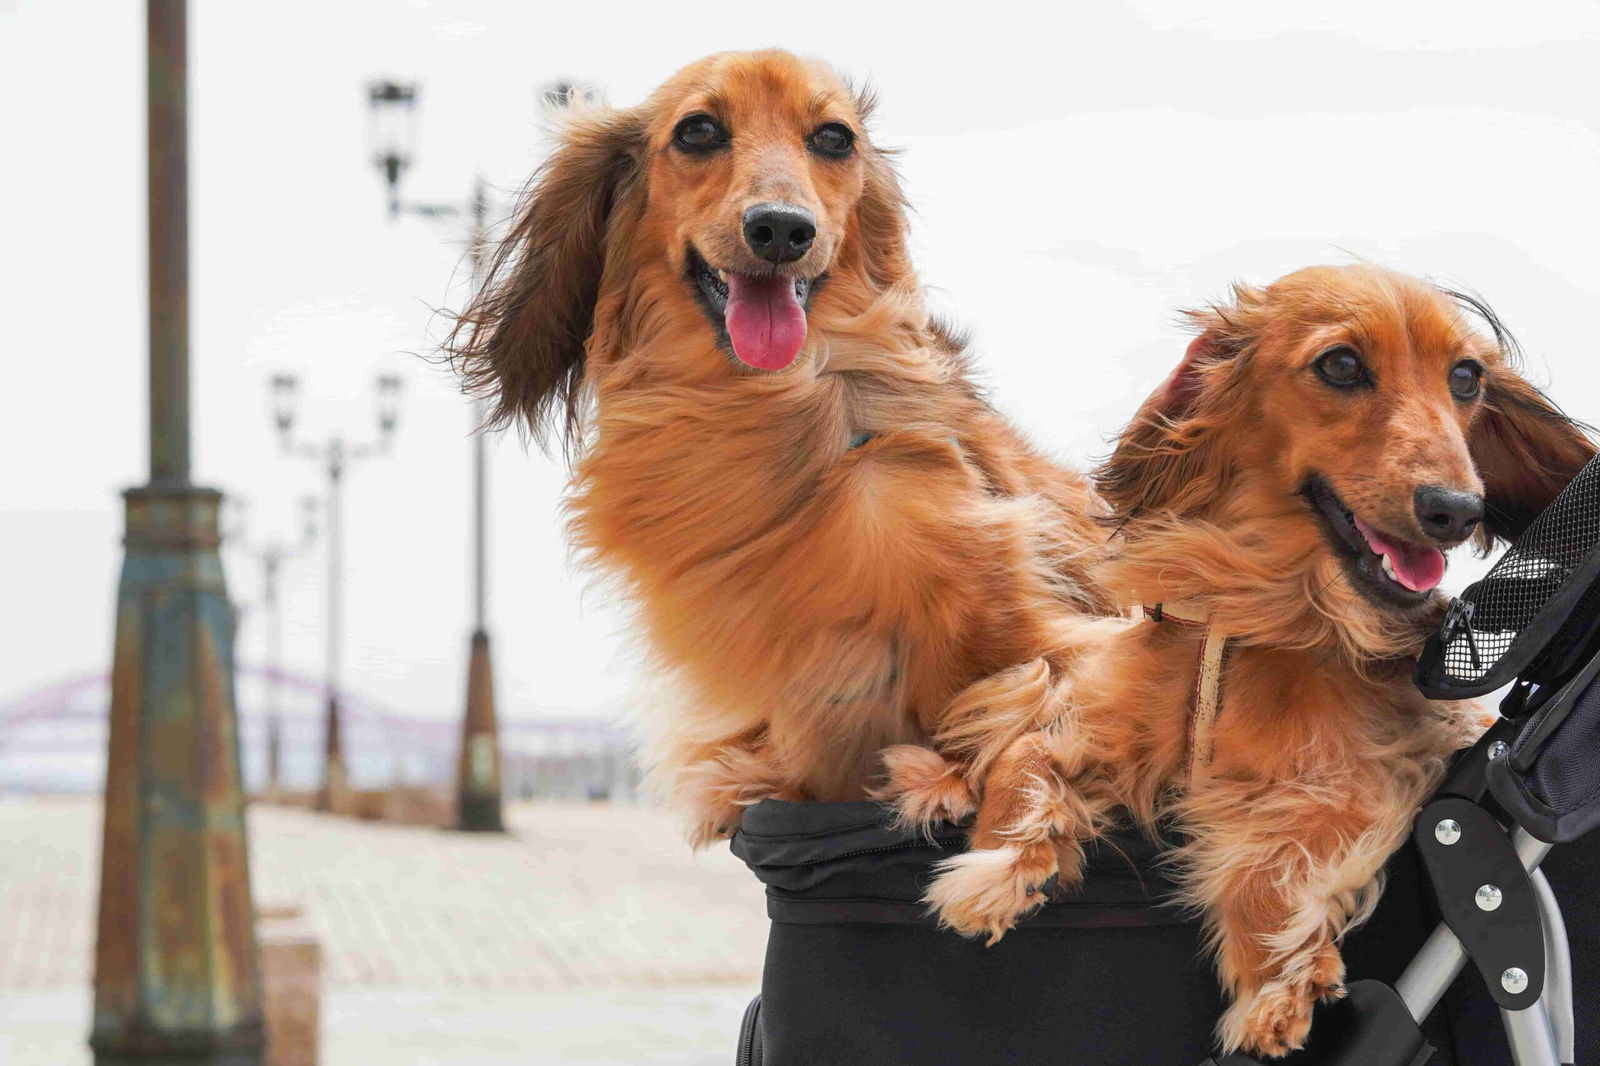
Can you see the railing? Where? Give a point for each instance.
(53, 740)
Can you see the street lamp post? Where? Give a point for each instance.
(271, 555)
(334, 455)
(177, 977)
(478, 808)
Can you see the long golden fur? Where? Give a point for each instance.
(824, 554)
(1323, 748)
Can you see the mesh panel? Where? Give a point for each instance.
(1490, 613)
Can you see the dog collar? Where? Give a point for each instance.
(1205, 700)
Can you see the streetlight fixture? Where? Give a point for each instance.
(478, 806)
(388, 404)
(285, 398)
(271, 555)
(334, 455)
(392, 131)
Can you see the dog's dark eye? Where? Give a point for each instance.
(699, 133)
(833, 139)
(1466, 378)
(1342, 367)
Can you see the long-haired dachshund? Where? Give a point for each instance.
(1282, 504)
(826, 530)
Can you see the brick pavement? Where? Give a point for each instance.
(590, 929)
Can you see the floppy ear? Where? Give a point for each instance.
(1525, 449)
(879, 248)
(522, 339)
(1166, 459)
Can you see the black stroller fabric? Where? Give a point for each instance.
(1550, 783)
(856, 973)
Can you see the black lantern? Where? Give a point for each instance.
(285, 390)
(392, 131)
(388, 403)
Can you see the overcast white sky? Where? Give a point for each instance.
(1079, 176)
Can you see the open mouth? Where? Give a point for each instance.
(1386, 569)
(760, 317)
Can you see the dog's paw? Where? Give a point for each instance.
(1327, 974)
(924, 787)
(1277, 1019)
(984, 892)
(713, 823)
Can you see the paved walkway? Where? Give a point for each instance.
(588, 934)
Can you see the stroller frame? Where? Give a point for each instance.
(1540, 1035)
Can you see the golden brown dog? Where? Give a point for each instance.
(826, 530)
(1286, 495)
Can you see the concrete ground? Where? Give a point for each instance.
(589, 934)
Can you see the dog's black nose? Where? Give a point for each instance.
(1448, 515)
(779, 233)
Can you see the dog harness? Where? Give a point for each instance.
(1205, 701)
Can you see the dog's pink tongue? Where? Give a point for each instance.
(764, 320)
(1418, 567)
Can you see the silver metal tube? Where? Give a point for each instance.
(1530, 849)
(1557, 996)
(1424, 983)
(1532, 1041)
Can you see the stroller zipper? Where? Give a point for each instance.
(747, 1034)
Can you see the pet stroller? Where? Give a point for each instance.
(857, 974)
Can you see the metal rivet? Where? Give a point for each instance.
(1514, 981)
(1498, 749)
(1488, 897)
(1447, 832)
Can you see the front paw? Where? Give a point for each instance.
(713, 822)
(985, 891)
(1277, 1019)
(1327, 974)
(1273, 1022)
(924, 787)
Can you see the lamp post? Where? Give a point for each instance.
(271, 555)
(177, 977)
(392, 115)
(334, 455)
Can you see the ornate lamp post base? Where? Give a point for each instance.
(478, 770)
(177, 977)
(180, 1049)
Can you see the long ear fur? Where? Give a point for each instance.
(880, 246)
(1166, 459)
(1525, 449)
(522, 339)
